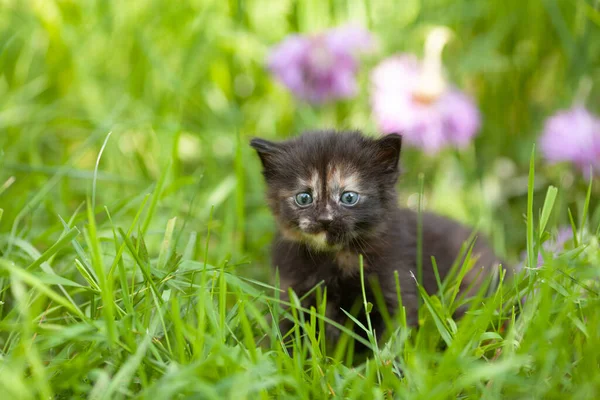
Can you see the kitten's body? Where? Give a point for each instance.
(321, 241)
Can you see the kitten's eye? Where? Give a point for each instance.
(349, 198)
(303, 199)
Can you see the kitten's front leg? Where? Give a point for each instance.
(298, 289)
(385, 285)
(285, 323)
(334, 313)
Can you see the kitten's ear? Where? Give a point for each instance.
(265, 149)
(388, 153)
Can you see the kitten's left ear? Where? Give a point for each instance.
(265, 149)
(388, 153)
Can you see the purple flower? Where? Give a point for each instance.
(320, 68)
(572, 136)
(556, 245)
(411, 97)
(551, 247)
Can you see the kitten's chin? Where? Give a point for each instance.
(320, 241)
(316, 241)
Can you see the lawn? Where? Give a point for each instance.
(135, 235)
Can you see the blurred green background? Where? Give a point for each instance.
(182, 86)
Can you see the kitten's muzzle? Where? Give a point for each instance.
(325, 222)
(323, 232)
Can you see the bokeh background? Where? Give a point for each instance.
(183, 86)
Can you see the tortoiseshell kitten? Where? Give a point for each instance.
(333, 197)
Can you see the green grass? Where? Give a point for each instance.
(134, 235)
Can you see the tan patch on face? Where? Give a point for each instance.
(334, 179)
(315, 241)
(290, 234)
(313, 182)
(318, 241)
(333, 173)
(351, 182)
(342, 178)
(288, 194)
(304, 223)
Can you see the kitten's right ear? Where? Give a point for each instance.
(266, 150)
(388, 155)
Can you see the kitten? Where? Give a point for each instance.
(333, 197)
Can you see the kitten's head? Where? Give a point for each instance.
(327, 189)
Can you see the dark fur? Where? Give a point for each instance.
(376, 227)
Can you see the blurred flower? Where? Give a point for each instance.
(551, 247)
(556, 245)
(411, 97)
(323, 67)
(573, 136)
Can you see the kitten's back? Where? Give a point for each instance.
(444, 239)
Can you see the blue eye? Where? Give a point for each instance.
(349, 198)
(303, 199)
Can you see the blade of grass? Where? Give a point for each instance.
(586, 205)
(166, 247)
(440, 322)
(547, 208)
(401, 310)
(7, 184)
(199, 340)
(37, 284)
(573, 228)
(154, 201)
(44, 266)
(53, 181)
(125, 374)
(531, 253)
(68, 237)
(240, 192)
(222, 300)
(28, 346)
(106, 290)
(95, 178)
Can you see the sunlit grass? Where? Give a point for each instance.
(101, 313)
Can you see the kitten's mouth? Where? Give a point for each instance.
(322, 241)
